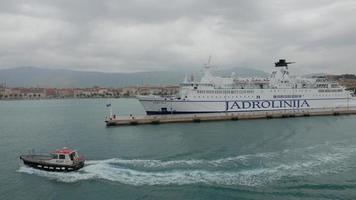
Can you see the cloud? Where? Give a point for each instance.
(145, 35)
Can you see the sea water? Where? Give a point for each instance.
(309, 158)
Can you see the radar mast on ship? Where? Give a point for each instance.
(207, 77)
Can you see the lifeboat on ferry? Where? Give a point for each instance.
(61, 160)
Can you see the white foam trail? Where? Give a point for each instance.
(59, 176)
(181, 177)
(238, 160)
(198, 171)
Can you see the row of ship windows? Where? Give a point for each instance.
(287, 96)
(225, 91)
(326, 85)
(330, 90)
(275, 96)
(251, 91)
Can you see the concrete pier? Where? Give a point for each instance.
(185, 118)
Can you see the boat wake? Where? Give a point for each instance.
(248, 170)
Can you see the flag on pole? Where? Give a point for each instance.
(108, 105)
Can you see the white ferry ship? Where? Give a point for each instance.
(279, 91)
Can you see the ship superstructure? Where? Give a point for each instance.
(280, 91)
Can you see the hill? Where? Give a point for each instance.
(33, 76)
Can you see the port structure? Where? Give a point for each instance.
(209, 117)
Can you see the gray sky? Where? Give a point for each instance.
(144, 35)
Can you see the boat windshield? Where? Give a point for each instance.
(73, 155)
(54, 156)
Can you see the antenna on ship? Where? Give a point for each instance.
(283, 63)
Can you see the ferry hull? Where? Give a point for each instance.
(160, 106)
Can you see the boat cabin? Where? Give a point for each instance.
(64, 155)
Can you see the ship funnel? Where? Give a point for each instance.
(282, 63)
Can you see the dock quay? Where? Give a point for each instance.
(206, 117)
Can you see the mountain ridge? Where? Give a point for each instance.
(42, 77)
